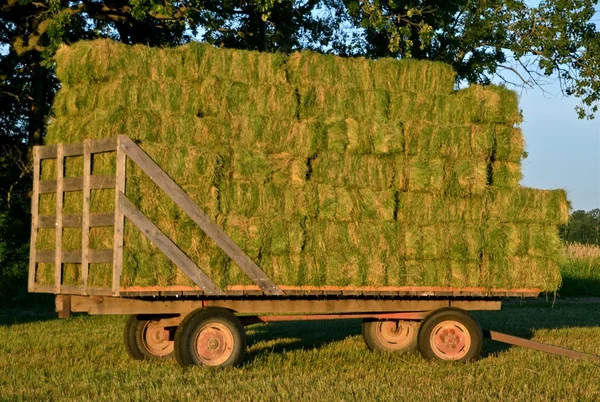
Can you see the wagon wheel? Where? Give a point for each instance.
(148, 339)
(450, 334)
(390, 335)
(210, 337)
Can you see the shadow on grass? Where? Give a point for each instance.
(579, 286)
(24, 316)
(296, 335)
(516, 319)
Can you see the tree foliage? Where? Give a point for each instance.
(583, 227)
(483, 39)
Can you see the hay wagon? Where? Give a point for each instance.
(204, 324)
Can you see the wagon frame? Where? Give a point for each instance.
(199, 323)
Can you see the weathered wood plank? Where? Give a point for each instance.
(60, 161)
(35, 199)
(97, 182)
(103, 256)
(103, 145)
(177, 194)
(75, 221)
(47, 152)
(85, 218)
(165, 244)
(72, 149)
(119, 221)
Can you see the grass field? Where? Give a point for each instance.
(83, 358)
(580, 270)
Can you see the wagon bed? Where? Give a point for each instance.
(203, 323)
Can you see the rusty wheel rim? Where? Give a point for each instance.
(450, 340)
(155, 338)
(396, 334)
(214, 344)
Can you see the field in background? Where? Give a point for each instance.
(580, 270)
(83, 358)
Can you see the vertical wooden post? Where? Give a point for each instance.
(119, 220)
(35, 199)
(85, 221)
(60, 167)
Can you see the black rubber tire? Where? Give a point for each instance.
(188, 330)
(450, 314)
(371, 332)
(134, 340)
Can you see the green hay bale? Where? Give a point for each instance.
(258, 167)
(510, 144)
(276, 135)
(265, 133)
(466, 177)
(427, 209)
(101, 60)
(427, 140)
(44, 273)
(426, 273)
(465, 274)
(364, 136)
(425, 175)
(309, 68)
(350, 170)
(285, 269)
(450, 241)
(523, 272)
(506, 175)
(474, 105)
(412, 76)
(200, 60)
(224, 97)
(342, 103)
(527, 205)
(267, 200)
(522, 240)
(341, 204)
(146, 94)
(210, 97)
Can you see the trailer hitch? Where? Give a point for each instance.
(543, 347)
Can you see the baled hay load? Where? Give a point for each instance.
(325, 170)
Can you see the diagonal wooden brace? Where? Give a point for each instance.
(170, 249)
(213, 231)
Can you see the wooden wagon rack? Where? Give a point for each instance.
(125, 148)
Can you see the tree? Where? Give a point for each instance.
(583, 227)
(483, 39)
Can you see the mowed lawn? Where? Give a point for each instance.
(83, 358)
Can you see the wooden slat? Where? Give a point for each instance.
(85, 218)
(167, 246)
(104, 145)
(103, 256)
(97, 182)
(119, 221)
(72, 149)
(197, 214)
(47, 151)
(60, 161)
(35, 199)
(75, 221)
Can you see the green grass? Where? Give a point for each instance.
(580, 270)
(83, 358)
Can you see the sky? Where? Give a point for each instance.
(564, 151)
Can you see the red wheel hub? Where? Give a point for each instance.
(450, 340)
(214, 344)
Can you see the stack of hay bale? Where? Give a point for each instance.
(325, 170)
